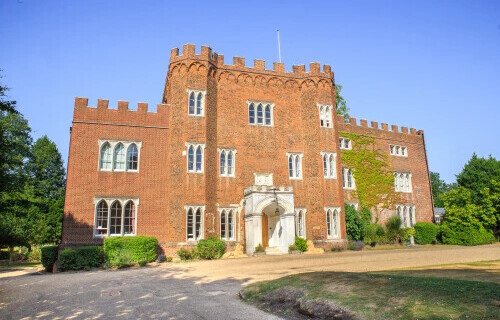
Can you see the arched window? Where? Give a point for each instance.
(129, 218)
(396, 181)
(251, 114)
(119, 157)
(132, 157)
(410, 215)
(300, 224)
(335, 224)
(268, 115)
(222, 163)
(332, 166)
(191, 110)
(349, 178)
(401, 182)
(191, 158)
(230, 225)
(290, 166)
(407, 183)
(223, 225)
(325, 165)
(405, 217)
(329, 223)
(101, 218)
(198, 224)
(106, 157)
(190, 224)
(116, 218)
(230, 163)
(198, 158)
(198, 104)
(297, 167)
(259, 114)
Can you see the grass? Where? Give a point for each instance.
(4, 265)
(436, 293)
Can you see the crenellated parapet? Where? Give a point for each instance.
(380, 130)
(213, 64)
(122, 115)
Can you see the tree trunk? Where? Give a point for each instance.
(11, 253)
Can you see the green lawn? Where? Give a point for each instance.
(401, 294)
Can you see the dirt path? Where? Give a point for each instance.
(271, 267)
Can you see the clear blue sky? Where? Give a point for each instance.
(432, 65)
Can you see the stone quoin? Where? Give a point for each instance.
(245, 154)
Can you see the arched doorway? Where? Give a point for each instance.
(272, 228)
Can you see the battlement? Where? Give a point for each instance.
(374, 125)
(259, 66)
(121, 115)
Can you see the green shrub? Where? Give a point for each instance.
(426, 232)
(293, 247)
(123, 251)
(470, 236)
(49, 256)
(353, 223)
(260, 248)
(406, 233)
(301, 244)
(393, 226)
(67, 260)
(355, 245)
(338, 248)
(211, 248)
(185, 254)
(89, 257)
(373, 234)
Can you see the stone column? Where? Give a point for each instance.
(253, 232)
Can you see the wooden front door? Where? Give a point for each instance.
(265, 231)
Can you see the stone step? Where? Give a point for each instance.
(273, 251)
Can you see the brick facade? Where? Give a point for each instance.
(162, 183)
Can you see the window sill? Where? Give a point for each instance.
(261, 125)
(227, 176)
(197, 172)
(330, 178)
(196, 115)
(291, 178)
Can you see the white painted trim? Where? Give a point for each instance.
(234, 211)
(113, 143)
(336, 221)
(398, 151)
(328, 154)
(294, 169)
(233, 172)
(327, 116)
(202, 222)
(341, 143)
(196, 92)
(109, 201)
(195, 146)
(264, 105)
(304, 212)
(345, 174)
(397, 187)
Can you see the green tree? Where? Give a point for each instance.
(353, 223)
(438, 187)
(478, 174)
(6, 105)
(341, 104)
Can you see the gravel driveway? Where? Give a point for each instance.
(197, 290)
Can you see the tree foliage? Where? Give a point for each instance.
(372, 172)
(353, 223)
(32, 182)
(478, 174)
(341, 104)
(438, 187)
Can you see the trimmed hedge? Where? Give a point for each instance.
(67, 260)
(426, 232)
(49, 257)
(467, 237)
(124, 251)
(81, 258)
(211, 248)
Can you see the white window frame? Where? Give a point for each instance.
(195, 146)
(345, 175)
(354, 204)
(342, 143)
(298, 210)
(234, 212)
(407, 217)
(195, 208)
(226, 166)
(335, 222)
(328, 168)
(203, 95)
(264, 105)
(109, 201)
(113, 144)
(294, 156)
(402, 182)
(325, 115)
(398, 151)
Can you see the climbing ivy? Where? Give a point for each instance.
(372, 172)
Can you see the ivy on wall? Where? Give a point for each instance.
(372, 172)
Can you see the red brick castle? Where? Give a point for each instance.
(246, 154)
